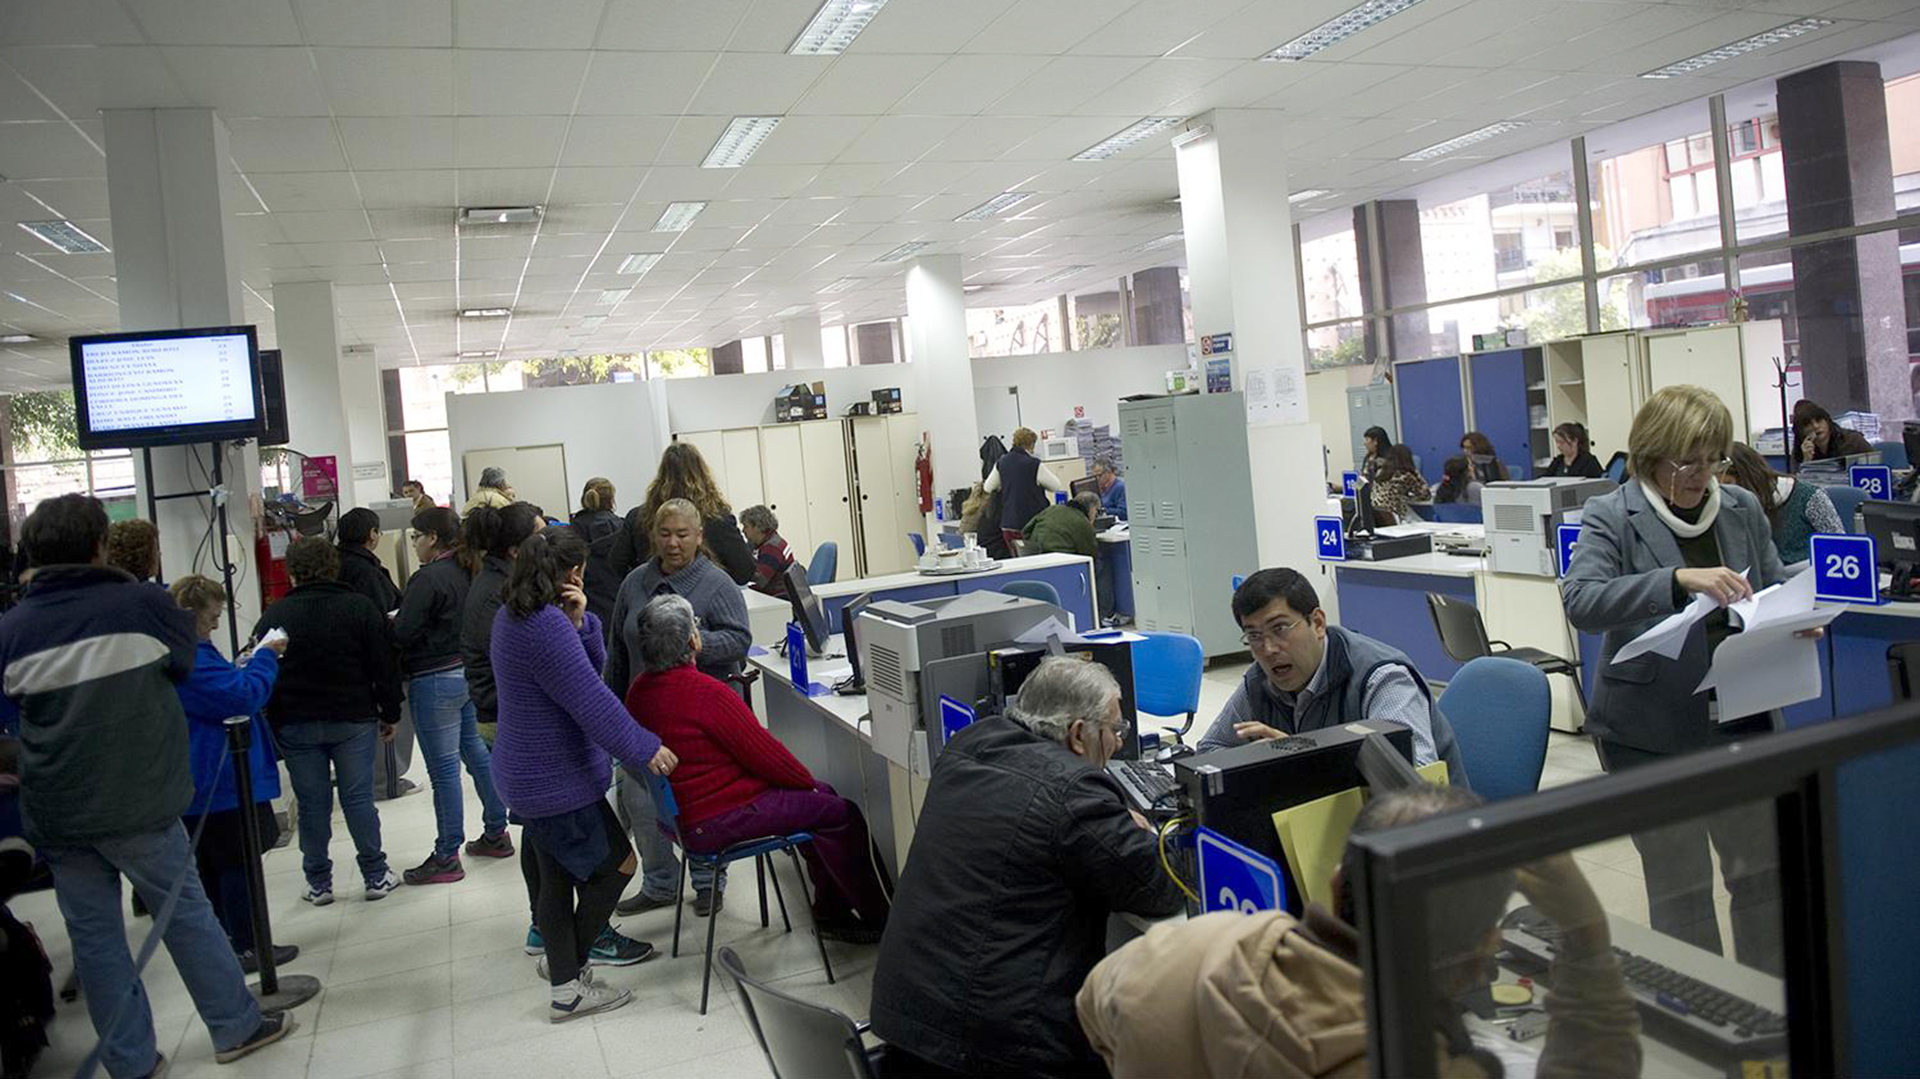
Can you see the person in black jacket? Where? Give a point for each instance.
(600, 527)
(495, 536)
(1573, 454)
(1024, 848)
(428, 629)
(684, 474)
(339, 689)
(360, 568)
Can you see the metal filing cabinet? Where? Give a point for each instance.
(1369, 406)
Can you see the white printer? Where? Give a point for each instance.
(1522, 517)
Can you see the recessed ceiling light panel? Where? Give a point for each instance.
(500, 215)
(1159, 242)
(1339, 28)
(841, 285)
(1737, 48)
(66, 236)
(486, 312)
(614, 295)
(739, 141)
(479, 354)
(677, 216)
(904, 251)
(1132, 135)
(639, 262)
(996, 205)
(1309, 193)
(834, 27)
(1461, 142)
(1062, 274)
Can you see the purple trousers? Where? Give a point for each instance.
(846, 889)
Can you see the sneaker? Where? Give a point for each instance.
(492, 846)
(578, 998)
(640, 904)
(849, 934)
(535, 945)
(709, 902)
(319, 897)
(436, 870)
(615, 949)
(384, 887)
(273, 1027)
(159, 1066)
(282, 955)
(540, 967)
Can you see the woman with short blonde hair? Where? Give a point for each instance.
(1025, 486)
(1677, 424)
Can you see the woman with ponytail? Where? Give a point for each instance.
(444, 720)
(599, 526)
(494, 535)
(558, 722)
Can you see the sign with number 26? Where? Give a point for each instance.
(1845, 569)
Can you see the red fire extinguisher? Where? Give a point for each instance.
(923, 469)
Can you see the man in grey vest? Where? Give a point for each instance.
(1308, 676)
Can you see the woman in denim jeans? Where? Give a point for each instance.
(428, 629)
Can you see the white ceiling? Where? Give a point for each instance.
(363, 124)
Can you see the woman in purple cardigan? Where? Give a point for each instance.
(557, 724)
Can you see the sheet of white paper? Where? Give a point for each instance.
(1768, 667)
(1669, 635)
(1789, 599)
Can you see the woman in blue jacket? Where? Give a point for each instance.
(214, 691)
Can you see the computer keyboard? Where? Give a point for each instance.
(1733, 1024)
(1147, 783)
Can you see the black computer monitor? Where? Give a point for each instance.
(273, 393)
(806, 608)
(1363, 519)
(856, 680)
(1083, 485)
(1895, 528)
(1910, 438)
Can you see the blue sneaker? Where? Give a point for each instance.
(617, 950)
(535, 946)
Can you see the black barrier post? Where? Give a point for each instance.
(274, 992)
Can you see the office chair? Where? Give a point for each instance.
(1846, 501)
(1617, 467)
(919, 543)
(1893, 454)
(1500, 709)
(802, 1040)
(824, 567)
(667, 810)
(1039, 590)
(1167, 668)
(1464, 636)
(1456, 513)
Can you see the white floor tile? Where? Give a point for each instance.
(647, 1036)
(370, 1048)
(746, 1062)
(405, 993)
(359, 962)
(288, 1057)
(571, 1049)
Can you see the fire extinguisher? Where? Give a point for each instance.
(923, 469)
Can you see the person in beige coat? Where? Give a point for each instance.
(1230, 995)
(493, 490)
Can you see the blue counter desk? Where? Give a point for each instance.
(1388, 602)
(1116, 559)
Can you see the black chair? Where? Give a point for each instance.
(802, 1040)
(1464, 636)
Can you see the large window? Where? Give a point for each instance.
(1016, 330)
(1654, 201)
(1330, 271)
(1514, 232)
(43, 460)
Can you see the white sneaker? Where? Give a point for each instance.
(319, 898)
(577, 998)
(540, 967)
(380, 889)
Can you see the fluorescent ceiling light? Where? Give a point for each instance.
(1062, 274)
(834, 27)
(486, 312)
(993, 206)
(796, 309)
(677, 216)
(971, 288)
(593, 320)
(1738, 48)
(500, 215)
(18, 339)
(1459, 142)
(1309, 193)
(841, 285)
(1133, 134)
(65, 235)
(639, 262)
(613, 295)
(904, 251)
(738, 142)
(479, 353)
(1158, 242)
(1339, 28)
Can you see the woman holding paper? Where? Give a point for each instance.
(1671, 533)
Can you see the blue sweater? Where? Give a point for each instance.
(214, 691)
(1113, 500)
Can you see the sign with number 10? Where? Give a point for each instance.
(1330, 539)
(1350, 484)
(1845, 569)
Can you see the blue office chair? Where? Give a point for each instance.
(1166, 676)
(825, 566)
(667, 811)
(1893, 454)
(1456, 513)
(1847, 501)
(1039, 590)
(1499, 709)
(919, 543)
(1617, 467)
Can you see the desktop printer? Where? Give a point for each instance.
(910, 651)
(1522, 518)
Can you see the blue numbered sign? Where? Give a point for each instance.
(1876, 480)
(1235, 877)
(1238, 580)
(954, 718)
(1330, 539)
(1845, 569)
(797, 655)
(1565, 537)
(1350, 484)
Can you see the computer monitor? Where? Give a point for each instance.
(1910, 438)
(1363, 518)
(1895, 528)
(806, 608)
(273, 399)
(1008, 668)
(166, 387)
(1083, 485)
(857, 680)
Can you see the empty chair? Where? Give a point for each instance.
(1617, 467)
(919, 543)
(1464, 636)
(1846, 501)
(1039, 590)
(1499, 709)
(824, 567)
(1893, 454)
(1167, 668)
(802, 1040)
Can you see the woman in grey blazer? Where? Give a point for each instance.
(1669, 533)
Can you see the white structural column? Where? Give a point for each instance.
(1241, 270)
(366, 427)
(937, 319)
(171, 187)
(801, 337)
(309, 337)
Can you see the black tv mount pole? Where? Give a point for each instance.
(219, 500)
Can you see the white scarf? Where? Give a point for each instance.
(1709, 509)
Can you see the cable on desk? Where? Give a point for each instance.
(1167, 866)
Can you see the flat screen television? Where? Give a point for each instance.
(166, 387)
(273, 399)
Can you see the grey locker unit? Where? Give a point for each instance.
(1369, 406)
(1190, 505)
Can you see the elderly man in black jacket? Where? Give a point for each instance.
(1025, 846)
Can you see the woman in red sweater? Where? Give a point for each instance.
(736, 782)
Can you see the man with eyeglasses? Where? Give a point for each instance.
(1308, 676)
